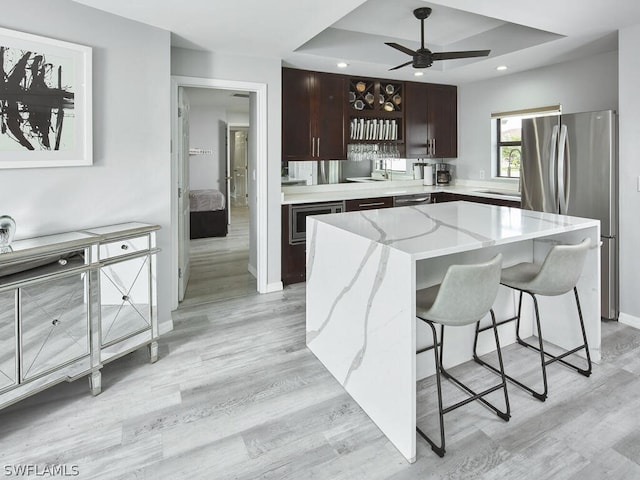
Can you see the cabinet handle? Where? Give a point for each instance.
(124, 247)
(374, 204)
(313, 147)
(318, 146)
(434, 147)
(125, 298)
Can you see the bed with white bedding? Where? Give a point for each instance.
(208, 213)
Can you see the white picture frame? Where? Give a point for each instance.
(45, 102)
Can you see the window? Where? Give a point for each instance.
(506, 142)
(509, 146)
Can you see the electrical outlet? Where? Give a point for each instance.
(482, 175)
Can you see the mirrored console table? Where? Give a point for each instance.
(71, 302)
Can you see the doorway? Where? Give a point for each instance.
(255, 196)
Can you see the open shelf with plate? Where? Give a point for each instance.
(375, 112)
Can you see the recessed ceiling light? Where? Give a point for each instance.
(418, 74)
(342, 65)
(501, 68)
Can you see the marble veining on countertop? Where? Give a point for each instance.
(431, 230)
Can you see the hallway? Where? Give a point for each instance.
(219, 264)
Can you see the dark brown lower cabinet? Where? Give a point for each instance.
(293, 261)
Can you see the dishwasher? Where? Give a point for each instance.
(411, 200)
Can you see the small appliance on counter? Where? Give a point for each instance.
(418, 169)
(427, 178)
(443, 174)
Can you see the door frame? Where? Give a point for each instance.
(259, 174)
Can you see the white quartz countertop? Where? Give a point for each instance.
(346, 191)
(433, 230)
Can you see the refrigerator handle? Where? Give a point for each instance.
(552, 166)
(563, 171)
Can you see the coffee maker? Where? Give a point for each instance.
(443, 174)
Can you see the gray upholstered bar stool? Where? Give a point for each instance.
(558, 274)
(464, 297)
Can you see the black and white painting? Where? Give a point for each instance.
(45, 102)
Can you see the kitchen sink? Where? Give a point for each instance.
(366, 179)
(499, 192)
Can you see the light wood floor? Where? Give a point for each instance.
(236, 395)
(219, 264)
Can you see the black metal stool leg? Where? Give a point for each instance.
(507, 414)
(439, 449)
(586, 372)
(438, 349)
(540, 396)
(540, 348)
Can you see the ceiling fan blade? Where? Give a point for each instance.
(406, 50)
(403, 65)
(454, 55)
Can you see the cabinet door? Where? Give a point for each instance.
(54, 324)
(296, 114)
(125, 299)
(416, 119)
(443, 120)
(8, 357)
(329, 100)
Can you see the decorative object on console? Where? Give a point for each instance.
(7, 232)
(45, 109)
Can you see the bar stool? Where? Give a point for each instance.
(558, 274)
(465, 296)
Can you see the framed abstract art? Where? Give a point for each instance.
(45, 102)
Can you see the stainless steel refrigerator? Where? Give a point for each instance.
(570, 166)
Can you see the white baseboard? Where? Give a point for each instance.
(629, 320)
(273, 287)
(253, 271)
(165, 326)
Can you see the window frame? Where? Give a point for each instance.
(522, 113)
(500, 144)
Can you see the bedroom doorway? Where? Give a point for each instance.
(231, 265)
(219, 126)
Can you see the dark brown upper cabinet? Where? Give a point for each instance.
(313, 106)
(431, 119)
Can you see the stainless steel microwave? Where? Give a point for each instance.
(298, 218)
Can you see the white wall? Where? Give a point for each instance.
(629, 151)
(207, 125)
(130, 178)
(579, 86)
(219, 66)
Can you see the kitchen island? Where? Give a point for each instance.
(363, 270)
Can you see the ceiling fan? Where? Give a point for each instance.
(423, 57)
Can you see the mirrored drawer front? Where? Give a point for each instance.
(54, 326)
(124, 247)
(8, 357)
